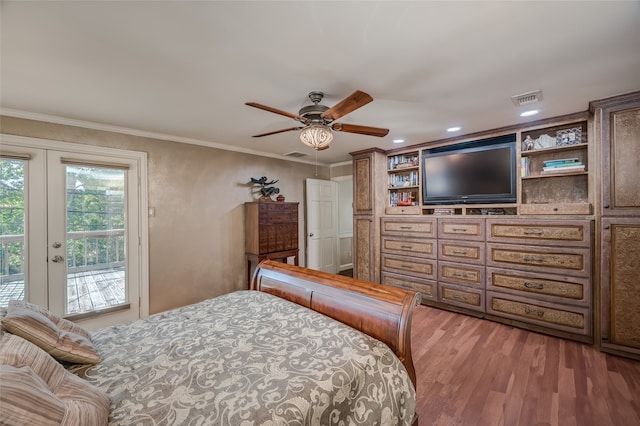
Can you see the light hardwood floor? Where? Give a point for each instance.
(472, 371)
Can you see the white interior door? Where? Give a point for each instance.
(83, 252)
(321, 225)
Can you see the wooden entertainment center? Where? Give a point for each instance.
(564, 259)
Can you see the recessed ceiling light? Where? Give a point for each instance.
(529, 113)
(398, 140)
(453, 129)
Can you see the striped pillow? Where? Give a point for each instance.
(37, 390)
(61, 338)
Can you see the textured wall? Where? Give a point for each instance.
(196, 238)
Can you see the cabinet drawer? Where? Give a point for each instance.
(427, 288)
(278, 207)
(461, 274)
(558, 288)
(554, 260)
(423, 228)
(461, 251)
(461, 296)
(461, 229)
(403, 210)
(410, 246)
(572, 319)
(564, 233)
(416, 267)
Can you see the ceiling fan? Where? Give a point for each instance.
(318, 120)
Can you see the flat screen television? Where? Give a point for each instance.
(478, 172)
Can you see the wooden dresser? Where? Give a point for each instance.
(271, 232)
(534, 273)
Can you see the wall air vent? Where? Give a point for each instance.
(527, 98)
(296, 154)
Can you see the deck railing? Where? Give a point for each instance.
(86, 251)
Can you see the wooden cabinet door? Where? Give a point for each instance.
(620, 284)
(363, 184)
(620, 153)
(364, 255)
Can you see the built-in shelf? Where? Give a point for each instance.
(552, 175)
(553, 149)
(470, 210)
(403, 183)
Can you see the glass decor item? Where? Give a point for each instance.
(316, 136)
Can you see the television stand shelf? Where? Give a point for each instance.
(471, 210)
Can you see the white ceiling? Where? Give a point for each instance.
(185, 68)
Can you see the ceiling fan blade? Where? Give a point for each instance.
(363, 130)
(277, 131)
(277, 111)
(352, 102)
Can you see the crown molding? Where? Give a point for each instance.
(146, 134)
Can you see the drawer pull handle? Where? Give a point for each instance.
(459, 229)
(537, 312)
(458, 297)
(537, 286)
(533, 232)
(460, 275)
(406, 247)
(460, 252)
(533, 259)
(407, 266)
(406, 227)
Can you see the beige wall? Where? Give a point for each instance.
(342, 170)
(196, 238)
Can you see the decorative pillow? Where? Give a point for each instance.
(36, 389)
(61, 338)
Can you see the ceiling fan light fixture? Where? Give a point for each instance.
(317, 136)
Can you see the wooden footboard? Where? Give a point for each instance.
(382, 312)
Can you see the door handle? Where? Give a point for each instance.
(57, 258)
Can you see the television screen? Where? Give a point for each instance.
(479, 172)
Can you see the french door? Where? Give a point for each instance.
(80, 250)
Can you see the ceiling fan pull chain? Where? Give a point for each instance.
(316, 162)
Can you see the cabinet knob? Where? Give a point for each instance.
(607, 227)
(311, 235)
(606, 206)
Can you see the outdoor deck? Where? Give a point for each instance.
(88, 290)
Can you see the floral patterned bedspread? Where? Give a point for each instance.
(249, 358)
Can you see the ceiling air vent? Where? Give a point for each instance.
(295, 154)
(527, 98)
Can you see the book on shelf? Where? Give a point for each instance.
(562, 162)
(400, 180)
(524, 166)
(402, 161)
(562, 169)
(442, 211)
(402, 198)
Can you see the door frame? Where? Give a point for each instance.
(344, 206)
(143, 219)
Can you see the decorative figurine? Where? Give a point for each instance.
(528, 144)
(265, 189)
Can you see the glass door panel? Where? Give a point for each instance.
(12, 230)
(95, 239)
(22, 225)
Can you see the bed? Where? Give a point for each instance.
(301, 347)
